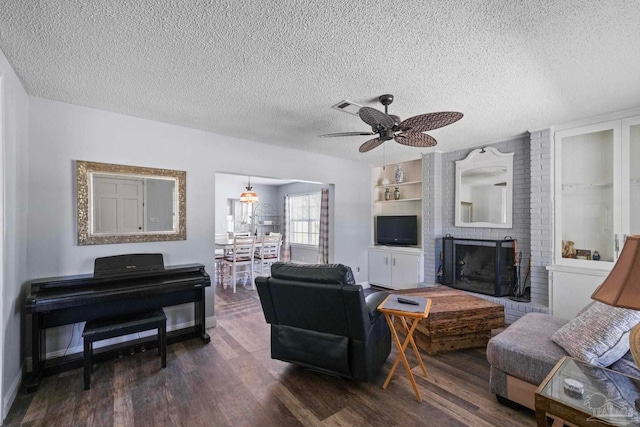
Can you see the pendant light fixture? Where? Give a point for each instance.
(249, 196)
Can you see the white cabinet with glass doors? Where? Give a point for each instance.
(597, 204)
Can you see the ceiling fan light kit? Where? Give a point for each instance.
(387, 126)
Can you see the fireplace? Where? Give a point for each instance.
(481, 266)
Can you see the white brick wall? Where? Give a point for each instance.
(541, 214)
(431, 212)
(532, 213)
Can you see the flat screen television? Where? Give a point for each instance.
(399, 230)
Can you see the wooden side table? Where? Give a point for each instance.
(607, 396)
(409, 315)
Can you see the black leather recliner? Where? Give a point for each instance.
(321, 320)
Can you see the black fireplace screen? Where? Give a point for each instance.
(482, 266)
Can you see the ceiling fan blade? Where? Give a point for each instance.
(416, 139)
(430, 121)
(370, 145)
(375, 118)
(331, 135)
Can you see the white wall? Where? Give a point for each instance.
(61, 133)
(13, 247)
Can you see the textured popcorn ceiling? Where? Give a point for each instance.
(270, 70)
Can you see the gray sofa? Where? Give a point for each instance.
(523, 354)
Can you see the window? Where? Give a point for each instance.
(305, 219)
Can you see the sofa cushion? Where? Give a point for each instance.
(599, 335)
(524, 350)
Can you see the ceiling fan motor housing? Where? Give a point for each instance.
(396, 121)
(387, 135)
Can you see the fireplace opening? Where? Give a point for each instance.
(481, 266)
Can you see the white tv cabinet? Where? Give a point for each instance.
(396, 267)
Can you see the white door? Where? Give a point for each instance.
(405, 270)
(118, 205)
(380, 267)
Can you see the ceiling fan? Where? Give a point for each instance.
(406, 132)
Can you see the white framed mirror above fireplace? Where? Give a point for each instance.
(484, 189)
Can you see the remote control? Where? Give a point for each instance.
(407, 301)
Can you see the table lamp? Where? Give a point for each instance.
(621, 288)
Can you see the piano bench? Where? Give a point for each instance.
(102, 329)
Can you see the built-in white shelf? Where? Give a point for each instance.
(593, 185)
(401, 184)
(399, 200)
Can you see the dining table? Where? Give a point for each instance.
(227, 244)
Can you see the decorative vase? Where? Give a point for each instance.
(384, 181)
(387, 194)
(399, 175)
(596, 256)
(396, 194)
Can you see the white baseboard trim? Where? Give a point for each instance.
(12, 393)
(365, 284)
(210, 322)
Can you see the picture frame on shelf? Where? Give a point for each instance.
(583, 254)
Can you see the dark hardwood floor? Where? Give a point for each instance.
(233, 382)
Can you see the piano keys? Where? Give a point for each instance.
(120, 285)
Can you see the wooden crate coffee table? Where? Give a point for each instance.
(457, 320)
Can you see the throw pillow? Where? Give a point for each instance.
(599, 335)
(585, 308)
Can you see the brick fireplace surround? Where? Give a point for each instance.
(532, 213)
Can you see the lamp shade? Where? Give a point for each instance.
(249, 196)
(621, 288)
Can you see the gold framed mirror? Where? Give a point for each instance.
(129, 204)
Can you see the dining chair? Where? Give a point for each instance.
(266, 254)
(240, 259)
(219, 260)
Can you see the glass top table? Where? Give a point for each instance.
(588, 395)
